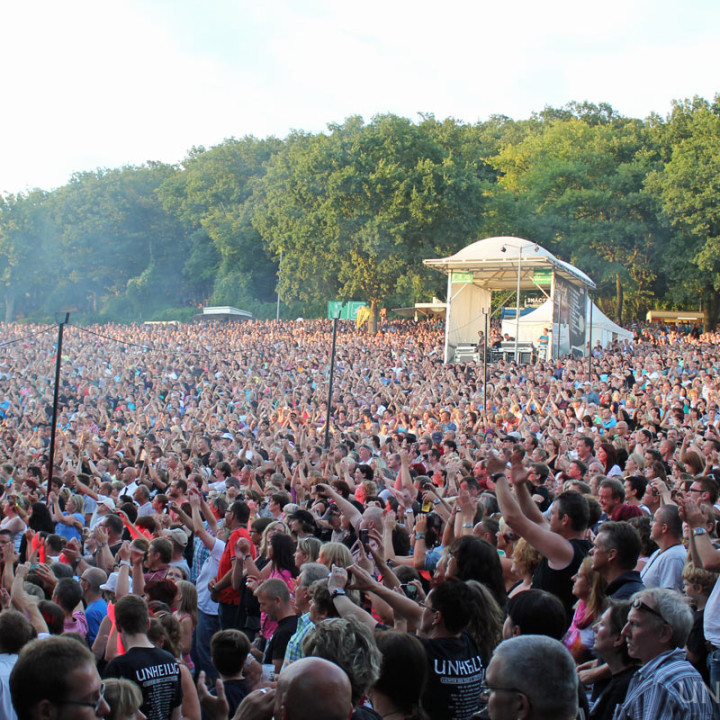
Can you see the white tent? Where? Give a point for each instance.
(604, 330)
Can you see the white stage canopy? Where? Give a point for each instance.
(509, 265)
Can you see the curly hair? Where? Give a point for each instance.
(526, 557)
(351, 646)
(486, 620)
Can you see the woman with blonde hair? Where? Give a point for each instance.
(272, 529)
(124, 699)
(334, 553)
(307, 550)
(589, 589)
(525, 560)
(186, 613)
(634, 465)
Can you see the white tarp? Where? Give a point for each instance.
(532, 325)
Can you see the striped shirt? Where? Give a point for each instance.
(667, 688)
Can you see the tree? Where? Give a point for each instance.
(28, 261)
(213, 197)
(114, 231)
(688, 187)
(577, 188)
(355, 211)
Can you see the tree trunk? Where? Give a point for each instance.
(712, 310)
(9, 305)
(619, 291)
(372, 320)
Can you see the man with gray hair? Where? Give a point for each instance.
(666, 686)
(532, 677)
(311, 571)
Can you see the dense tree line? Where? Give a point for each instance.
(351, 213)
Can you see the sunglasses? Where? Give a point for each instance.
(640, 605)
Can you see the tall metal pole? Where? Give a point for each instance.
(53, 427)
(448, 303)
(485, 347)
(590, 348)
(517, 308)
(330, 383)
(277, 311)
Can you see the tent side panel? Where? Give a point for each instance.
(465, 314)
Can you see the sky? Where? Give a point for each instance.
(89, 84)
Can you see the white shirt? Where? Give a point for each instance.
(207, 572)
(664, 568)
(711, 616)
(7, 662)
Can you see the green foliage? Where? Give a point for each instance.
(580, 184)
(354, 210)
(213, 198)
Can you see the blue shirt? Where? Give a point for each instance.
(95, 613)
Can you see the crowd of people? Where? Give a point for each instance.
(543, 546)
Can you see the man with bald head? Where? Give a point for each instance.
(309, 689)
(95, 605)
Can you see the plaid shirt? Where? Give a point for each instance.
(294, 651)
(667, 688)
(200, 555)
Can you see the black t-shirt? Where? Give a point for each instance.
(559, 582)
(455, 677)
(235, 692)
(607, 696)
(697, 645)
(365, 713)
(156, 673)
(275, 649)
(544, 493)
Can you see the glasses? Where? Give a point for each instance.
(695, 490)
(82, 703)
(640, 605)
(486, 690)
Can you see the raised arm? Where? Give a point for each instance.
(553, 546)
(345, 507)
(702, 548)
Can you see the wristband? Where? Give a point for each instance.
(467, 525)
(496, 476)
(436, 501)
(699, 531)
(336, 592)
(125, 562)
(246, 557)
(419, 535)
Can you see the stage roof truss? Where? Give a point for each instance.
(497, 270)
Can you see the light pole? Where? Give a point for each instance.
(56, 395)
(277, 311)
(520, 249)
